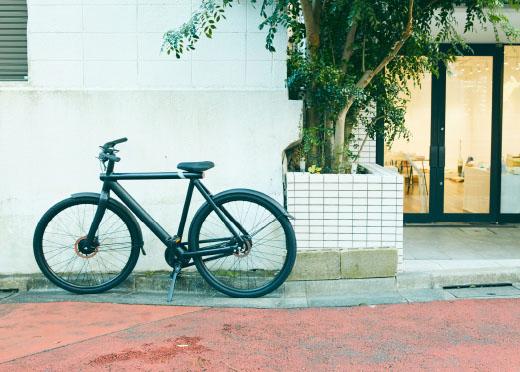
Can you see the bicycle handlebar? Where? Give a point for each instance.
(105, 157)
(114, 142)
(107, 150)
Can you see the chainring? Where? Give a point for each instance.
(171, 259)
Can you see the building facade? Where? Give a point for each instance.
(75, 73)
(462, 163)
(95, 72)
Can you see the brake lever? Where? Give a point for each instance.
(103, 156)
(107, 150)
(102, 164)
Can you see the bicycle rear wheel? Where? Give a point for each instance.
(252, 271)
(63, 257)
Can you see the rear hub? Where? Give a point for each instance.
(245, 248)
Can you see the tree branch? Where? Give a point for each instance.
(369, 74)
(349, 45)
(311, 29)
(339, 134)
(316, 11)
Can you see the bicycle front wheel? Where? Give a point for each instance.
(65, 259)
(252, 271)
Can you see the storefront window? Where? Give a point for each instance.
(411, 157)
(467, 170)
(510, 196)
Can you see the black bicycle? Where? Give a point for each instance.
(241, 241)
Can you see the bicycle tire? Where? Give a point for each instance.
(107, 251)
(222, 278)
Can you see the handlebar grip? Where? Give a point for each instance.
(114, 142)
(120, 140)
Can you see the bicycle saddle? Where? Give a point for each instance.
(197, 166)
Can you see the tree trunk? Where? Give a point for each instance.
(339, 139)
(329, 146)
(311, 125)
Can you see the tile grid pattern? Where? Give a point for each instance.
(368, 153)
(347, 212)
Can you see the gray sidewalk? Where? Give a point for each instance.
(440, 243)
(441, 263)
(405, 288)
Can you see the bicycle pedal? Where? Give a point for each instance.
(173, 276)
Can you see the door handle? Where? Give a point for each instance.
(434, 155)
(442, 155)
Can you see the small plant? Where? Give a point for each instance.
(313, 169)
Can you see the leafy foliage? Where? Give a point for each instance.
(347, 56)
(203, 21)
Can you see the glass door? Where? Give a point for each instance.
(465, 147)
(467, 136)
(451, 163)
(510, 162)
(410, 156)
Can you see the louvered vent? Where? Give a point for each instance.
(13, 40)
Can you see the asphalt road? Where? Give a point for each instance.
(448, 335)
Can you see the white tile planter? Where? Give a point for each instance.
(348, 212)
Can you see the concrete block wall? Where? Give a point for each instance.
(115, 44)
(351, 212)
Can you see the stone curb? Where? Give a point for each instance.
(192, 283)
(463, 277)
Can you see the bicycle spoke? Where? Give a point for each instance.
(263, 227)
(252, 269)
(77, 265)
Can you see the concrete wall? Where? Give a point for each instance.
(92, 44)
(48, 144)
(96, 73)
(484, 33)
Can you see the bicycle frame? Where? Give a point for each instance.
(110, 184)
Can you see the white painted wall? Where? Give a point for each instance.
(96, 73)
(48, 144)
(483, 33)
(91, 44)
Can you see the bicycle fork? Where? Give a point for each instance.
(98, 216)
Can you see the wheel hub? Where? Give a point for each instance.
(84, 250)
(245, 248)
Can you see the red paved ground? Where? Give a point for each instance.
(462, 335)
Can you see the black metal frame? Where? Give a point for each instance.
(110, 184)
(437, 150)
(438, 137)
